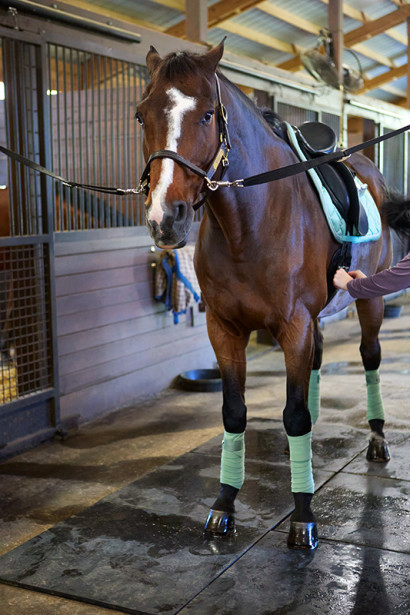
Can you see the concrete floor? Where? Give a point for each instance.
(51, 483)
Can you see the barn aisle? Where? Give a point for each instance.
(110, 519)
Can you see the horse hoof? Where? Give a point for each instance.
(378, 450)
(302, 535)
(219, 523)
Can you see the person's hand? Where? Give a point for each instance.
(341, 278)
(357, 274)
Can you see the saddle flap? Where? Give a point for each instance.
(317, 137)
(357, 215)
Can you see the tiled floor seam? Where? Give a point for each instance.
(273, 528)
(57, 594)
(228, 566)
(339, 541)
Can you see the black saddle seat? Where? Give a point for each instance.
(318, 138)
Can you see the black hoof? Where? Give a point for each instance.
(378, 450)
(302, 535)
(219, 523)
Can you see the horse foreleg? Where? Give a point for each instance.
(370, 312)
(297, 343)
(230, 353)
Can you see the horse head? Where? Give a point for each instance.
(178, 113)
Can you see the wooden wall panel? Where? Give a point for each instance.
(102, 398)
(116, 344)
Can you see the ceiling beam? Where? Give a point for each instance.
(355, 37)
(109, 12)
(408, 64)
(387, 77)
(196, 21)
(294, 64)
(294, 20)
(258, 37)
(393, 90)
(221, 11)
(335, 20)
(377, 26)
(177, 5)
(361, 16)
(308, 26)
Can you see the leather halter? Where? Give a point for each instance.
(220, 157)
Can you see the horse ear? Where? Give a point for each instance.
(153, 59)
(214, 55)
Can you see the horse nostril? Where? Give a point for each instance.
(180, 212)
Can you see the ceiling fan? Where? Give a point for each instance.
(319, 62)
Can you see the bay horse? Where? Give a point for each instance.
(261, 258)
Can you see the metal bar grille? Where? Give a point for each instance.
(21, 118)
(95, 137)
(333, 121)
(393, 158)
(296, 115)
(24, 321)
(26, 345)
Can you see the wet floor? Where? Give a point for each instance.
(111, 519)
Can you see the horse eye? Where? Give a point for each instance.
(207, 117)
(139, 119)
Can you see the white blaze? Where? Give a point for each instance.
(180, 105)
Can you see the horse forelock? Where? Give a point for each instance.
(179, 64)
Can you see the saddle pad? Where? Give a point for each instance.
(334, 219)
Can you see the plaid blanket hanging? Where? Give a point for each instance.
(176, 283)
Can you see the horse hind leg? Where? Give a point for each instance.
(314, 382)
(370, 312)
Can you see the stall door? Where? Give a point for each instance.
(28, 408)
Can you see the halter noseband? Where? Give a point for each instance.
(221, 155)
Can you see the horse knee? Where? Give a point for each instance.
(234, 417)
(297, 421)
(371, 355)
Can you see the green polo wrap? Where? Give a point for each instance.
(300, 448)
(375, 408)
(314, 395)
(233, 459)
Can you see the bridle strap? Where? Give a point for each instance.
(167, 153)
(220, 156)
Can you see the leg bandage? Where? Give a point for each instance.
(314, 395)
(300, 448)
(233, 459)
(375, 408)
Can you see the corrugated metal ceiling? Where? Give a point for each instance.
(253, 32)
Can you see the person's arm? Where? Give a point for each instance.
(382, 283)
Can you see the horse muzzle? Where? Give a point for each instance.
(172, 230)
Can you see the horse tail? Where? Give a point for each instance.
(396, 213)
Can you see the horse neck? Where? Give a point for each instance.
(255, 148)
